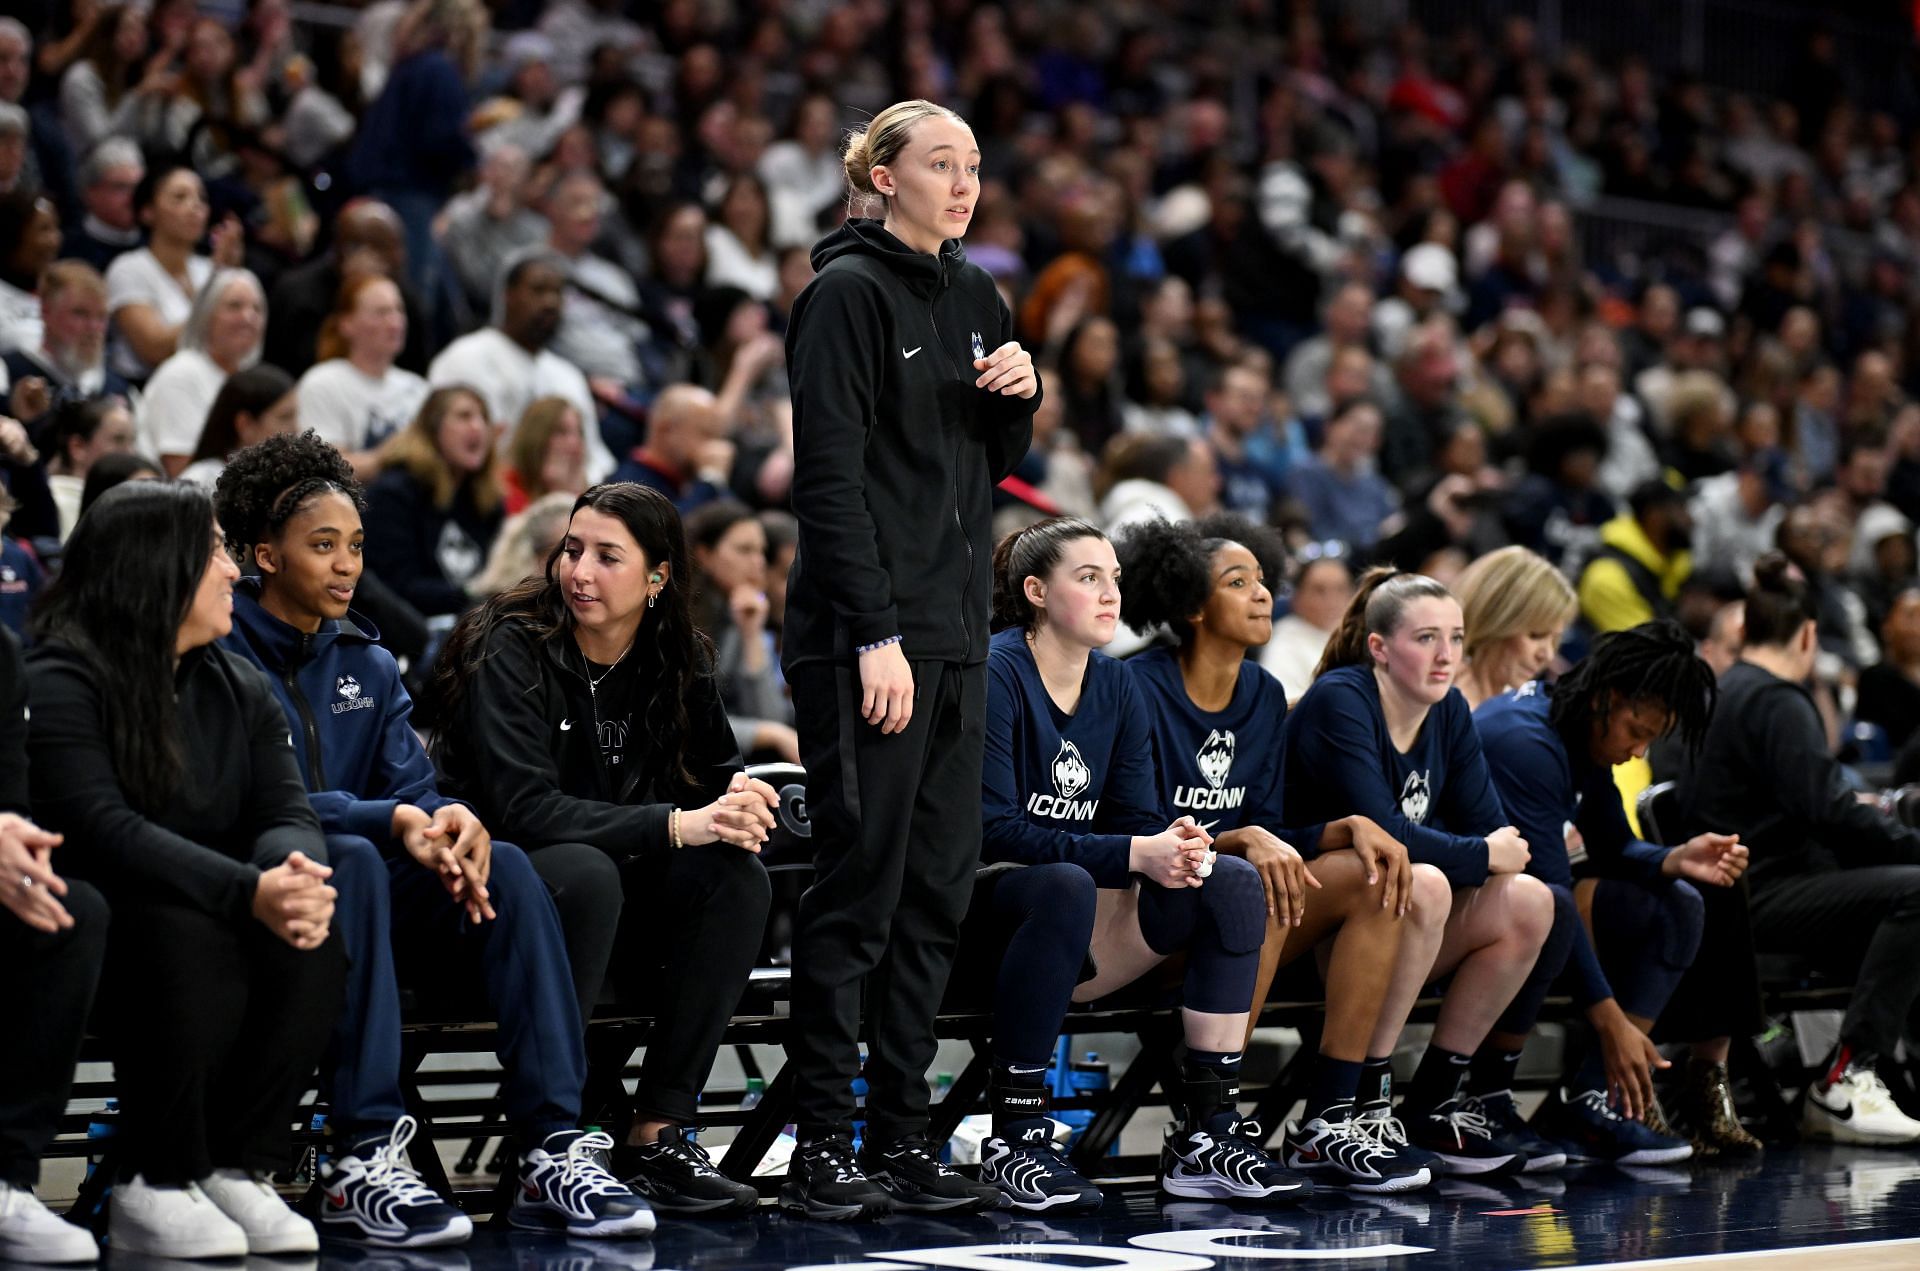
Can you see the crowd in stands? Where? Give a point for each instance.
(486, 321)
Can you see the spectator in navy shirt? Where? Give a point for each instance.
(1384, 734)
(1069, 778)
(1345, 496)
(1215, 718)
(1632, 919)
(1235, 405)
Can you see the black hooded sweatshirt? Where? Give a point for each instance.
(896, 453)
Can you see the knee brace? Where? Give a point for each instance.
(1236, 900)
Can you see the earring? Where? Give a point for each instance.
(651, 597)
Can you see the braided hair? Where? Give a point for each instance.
(1654, 662)
(265, 486)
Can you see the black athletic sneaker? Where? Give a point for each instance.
(677, 1176)
(920, 1183)
(1231, 1166)
(1463, 1139)
(825, 1182)
(1503, 1115)
(1036, 1177)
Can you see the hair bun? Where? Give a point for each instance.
(858, 163)
(1771, 572)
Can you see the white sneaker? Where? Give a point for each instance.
(1858, 1108)
(270, 1225)
(30, 1232)
(171, 1222)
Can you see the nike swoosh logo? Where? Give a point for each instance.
(908, 353)
(565, 724)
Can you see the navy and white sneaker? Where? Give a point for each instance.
(1592, 1131)
(1342, 1153)
(565, 1186)
(1464, 1140)
(1504, 1116)
(1390, 1132)
(370, 1195)
(1036, 1177)
(676, 1176)
(1200, 1165)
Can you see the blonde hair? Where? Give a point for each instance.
(524, 543)
(416, 448)
(1512, 592)
(881, 141)
(527, 451)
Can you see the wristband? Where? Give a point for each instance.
(673, 829)
(877, 644)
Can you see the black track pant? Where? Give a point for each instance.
(53, 974)
(896, 828)
(1862, 924)
(215, 1026)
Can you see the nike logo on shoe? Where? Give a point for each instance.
(566, 725)
(908, 353)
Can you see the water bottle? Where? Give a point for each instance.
(756, 1091)
(101, 1127)
(1090, 1076)
(860, 1102)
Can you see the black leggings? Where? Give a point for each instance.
(1024, 947)
(682, 950)
(55, 974)
(216, 1025)
(1219, 926)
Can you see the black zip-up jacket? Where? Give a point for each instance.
(239, 808)
(13, 727)
(896, 453)
(524, 752)
(1764, 772)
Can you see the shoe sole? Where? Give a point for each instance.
(1068, 1203)
(724, 1208)
(452, 1234)
(1208, 1189)
(1327, 1174)
(1474, 1166)
(1836, 1131)
(117, 1243)
(915, 1202)
(640, 1224)
(32, 1256)
(792, 1201)
(1542, 1164)
(1658, 1155)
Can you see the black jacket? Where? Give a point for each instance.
(239, 808)
(1764, 773)
(896, 453)
(523, 750)
(13, 726)
(427, 553)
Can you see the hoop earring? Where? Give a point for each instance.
(651, 597)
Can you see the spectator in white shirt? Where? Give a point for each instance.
(222, 335)
(151, 291)
(599, 330)
(355, 397)
(804, 175)
(739, 250)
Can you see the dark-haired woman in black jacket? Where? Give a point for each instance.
(583, 723)
(164, 761)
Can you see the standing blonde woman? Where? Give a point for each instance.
(911, 399)
(1517, 607)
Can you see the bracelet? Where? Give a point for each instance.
(673, 829)
(877, 644)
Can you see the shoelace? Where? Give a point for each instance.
(840, 1158)
(1869, 1090)
(1464, 1120)
(584, 1165)
(389, 1167)
(1499, 1110)
(922, 1152)
(688, 1152)
(1597, 1100)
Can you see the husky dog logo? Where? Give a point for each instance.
(1415, 795)
(350, 696)
(1216, 757)
(347, 687)
(1070, 773)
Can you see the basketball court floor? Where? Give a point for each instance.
(1831, 1209)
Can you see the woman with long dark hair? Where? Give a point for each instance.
(418, 876)
(251, 406)
(583, 722)
(1215, 717)
(1384, 734)
(911, 399)
(164, 761)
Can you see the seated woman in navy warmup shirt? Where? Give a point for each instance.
(1216, 718)
(1069, 778)
(1632, 922)
(1384, 734)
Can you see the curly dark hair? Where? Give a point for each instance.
(1168, 568)
(266, 485)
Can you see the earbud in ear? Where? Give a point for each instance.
(655, 578)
